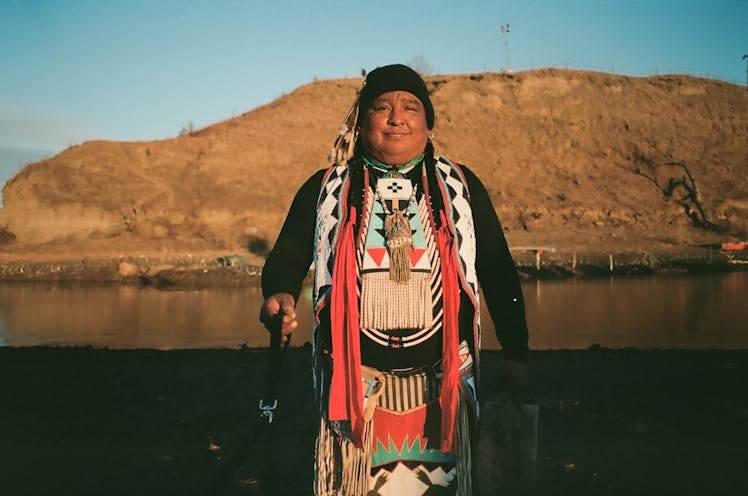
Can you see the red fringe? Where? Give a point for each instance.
(346, 396)
(450, 361)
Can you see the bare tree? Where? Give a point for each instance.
(188, 128)
(673, 177)
(421, 65)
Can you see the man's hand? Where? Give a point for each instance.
(279, 306)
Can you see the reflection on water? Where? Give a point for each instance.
(130, 316)
(691, 312)
(688, 312)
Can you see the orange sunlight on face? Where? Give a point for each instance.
(394, 129)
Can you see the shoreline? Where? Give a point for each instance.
(230, 268)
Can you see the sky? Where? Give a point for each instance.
(78, 70)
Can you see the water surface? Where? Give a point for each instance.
(685, 312)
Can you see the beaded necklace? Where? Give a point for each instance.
(396, 171)
(397, 233)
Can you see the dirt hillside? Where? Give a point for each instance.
(572, 159)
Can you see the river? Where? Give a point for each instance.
(706, 311)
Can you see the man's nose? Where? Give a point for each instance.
(396, 116)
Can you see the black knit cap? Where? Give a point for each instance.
(396, 77)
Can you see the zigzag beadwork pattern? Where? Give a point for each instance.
(462, 218)
(328, 221)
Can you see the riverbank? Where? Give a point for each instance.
(225, 268)
(98, 421)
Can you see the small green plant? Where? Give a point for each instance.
(508, 420)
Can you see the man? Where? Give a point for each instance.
(400, 240)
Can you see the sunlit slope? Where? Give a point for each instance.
(570, 158)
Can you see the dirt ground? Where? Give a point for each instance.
(97, 421)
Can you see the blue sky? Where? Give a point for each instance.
(76, 70)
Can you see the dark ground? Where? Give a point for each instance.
(131, 422)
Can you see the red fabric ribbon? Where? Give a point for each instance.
(346, 396)
(450, 343)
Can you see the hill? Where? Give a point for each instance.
(576, 160)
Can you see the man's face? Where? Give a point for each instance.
(394, 129)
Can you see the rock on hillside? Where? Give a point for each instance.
(571, 159)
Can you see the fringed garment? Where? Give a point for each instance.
(394, 432)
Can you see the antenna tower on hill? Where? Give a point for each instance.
(503, 31)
